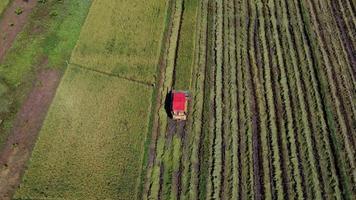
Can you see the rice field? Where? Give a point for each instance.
(271, 113)
(130, 40)
(91, 153)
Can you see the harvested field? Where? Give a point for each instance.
(272, 112)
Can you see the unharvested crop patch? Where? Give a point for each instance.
(122, 37)
(91, 142)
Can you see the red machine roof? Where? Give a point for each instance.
(179, 101)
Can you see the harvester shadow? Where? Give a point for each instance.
(168, 104)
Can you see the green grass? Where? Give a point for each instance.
(122, 37)
(3, 5)
(91, 144)
(45, 38)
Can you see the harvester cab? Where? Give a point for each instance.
(179, 102)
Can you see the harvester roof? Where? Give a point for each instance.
(179, 101)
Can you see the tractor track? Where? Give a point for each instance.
(181, 132)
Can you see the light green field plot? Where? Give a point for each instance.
(3, 4)
(91, 144)
(122, 37)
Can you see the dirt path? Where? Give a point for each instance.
(11, 23)
(20, 143)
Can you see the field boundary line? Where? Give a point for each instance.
(113, 75)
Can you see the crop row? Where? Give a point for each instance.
(272, 104)
(272, 133)
(169, 172)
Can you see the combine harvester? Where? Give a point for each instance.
(179, 102)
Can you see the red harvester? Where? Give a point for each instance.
(179, 105)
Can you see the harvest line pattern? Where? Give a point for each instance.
(273, 109)
(114, 75)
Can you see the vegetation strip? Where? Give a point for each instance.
(12, 22)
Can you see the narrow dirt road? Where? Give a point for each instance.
(21, 141)
(11, 23)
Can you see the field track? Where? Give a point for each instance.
(8, 33)
(19, 145)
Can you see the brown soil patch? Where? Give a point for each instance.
(21, 141)
(11, 23)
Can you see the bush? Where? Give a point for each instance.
(19, 11)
